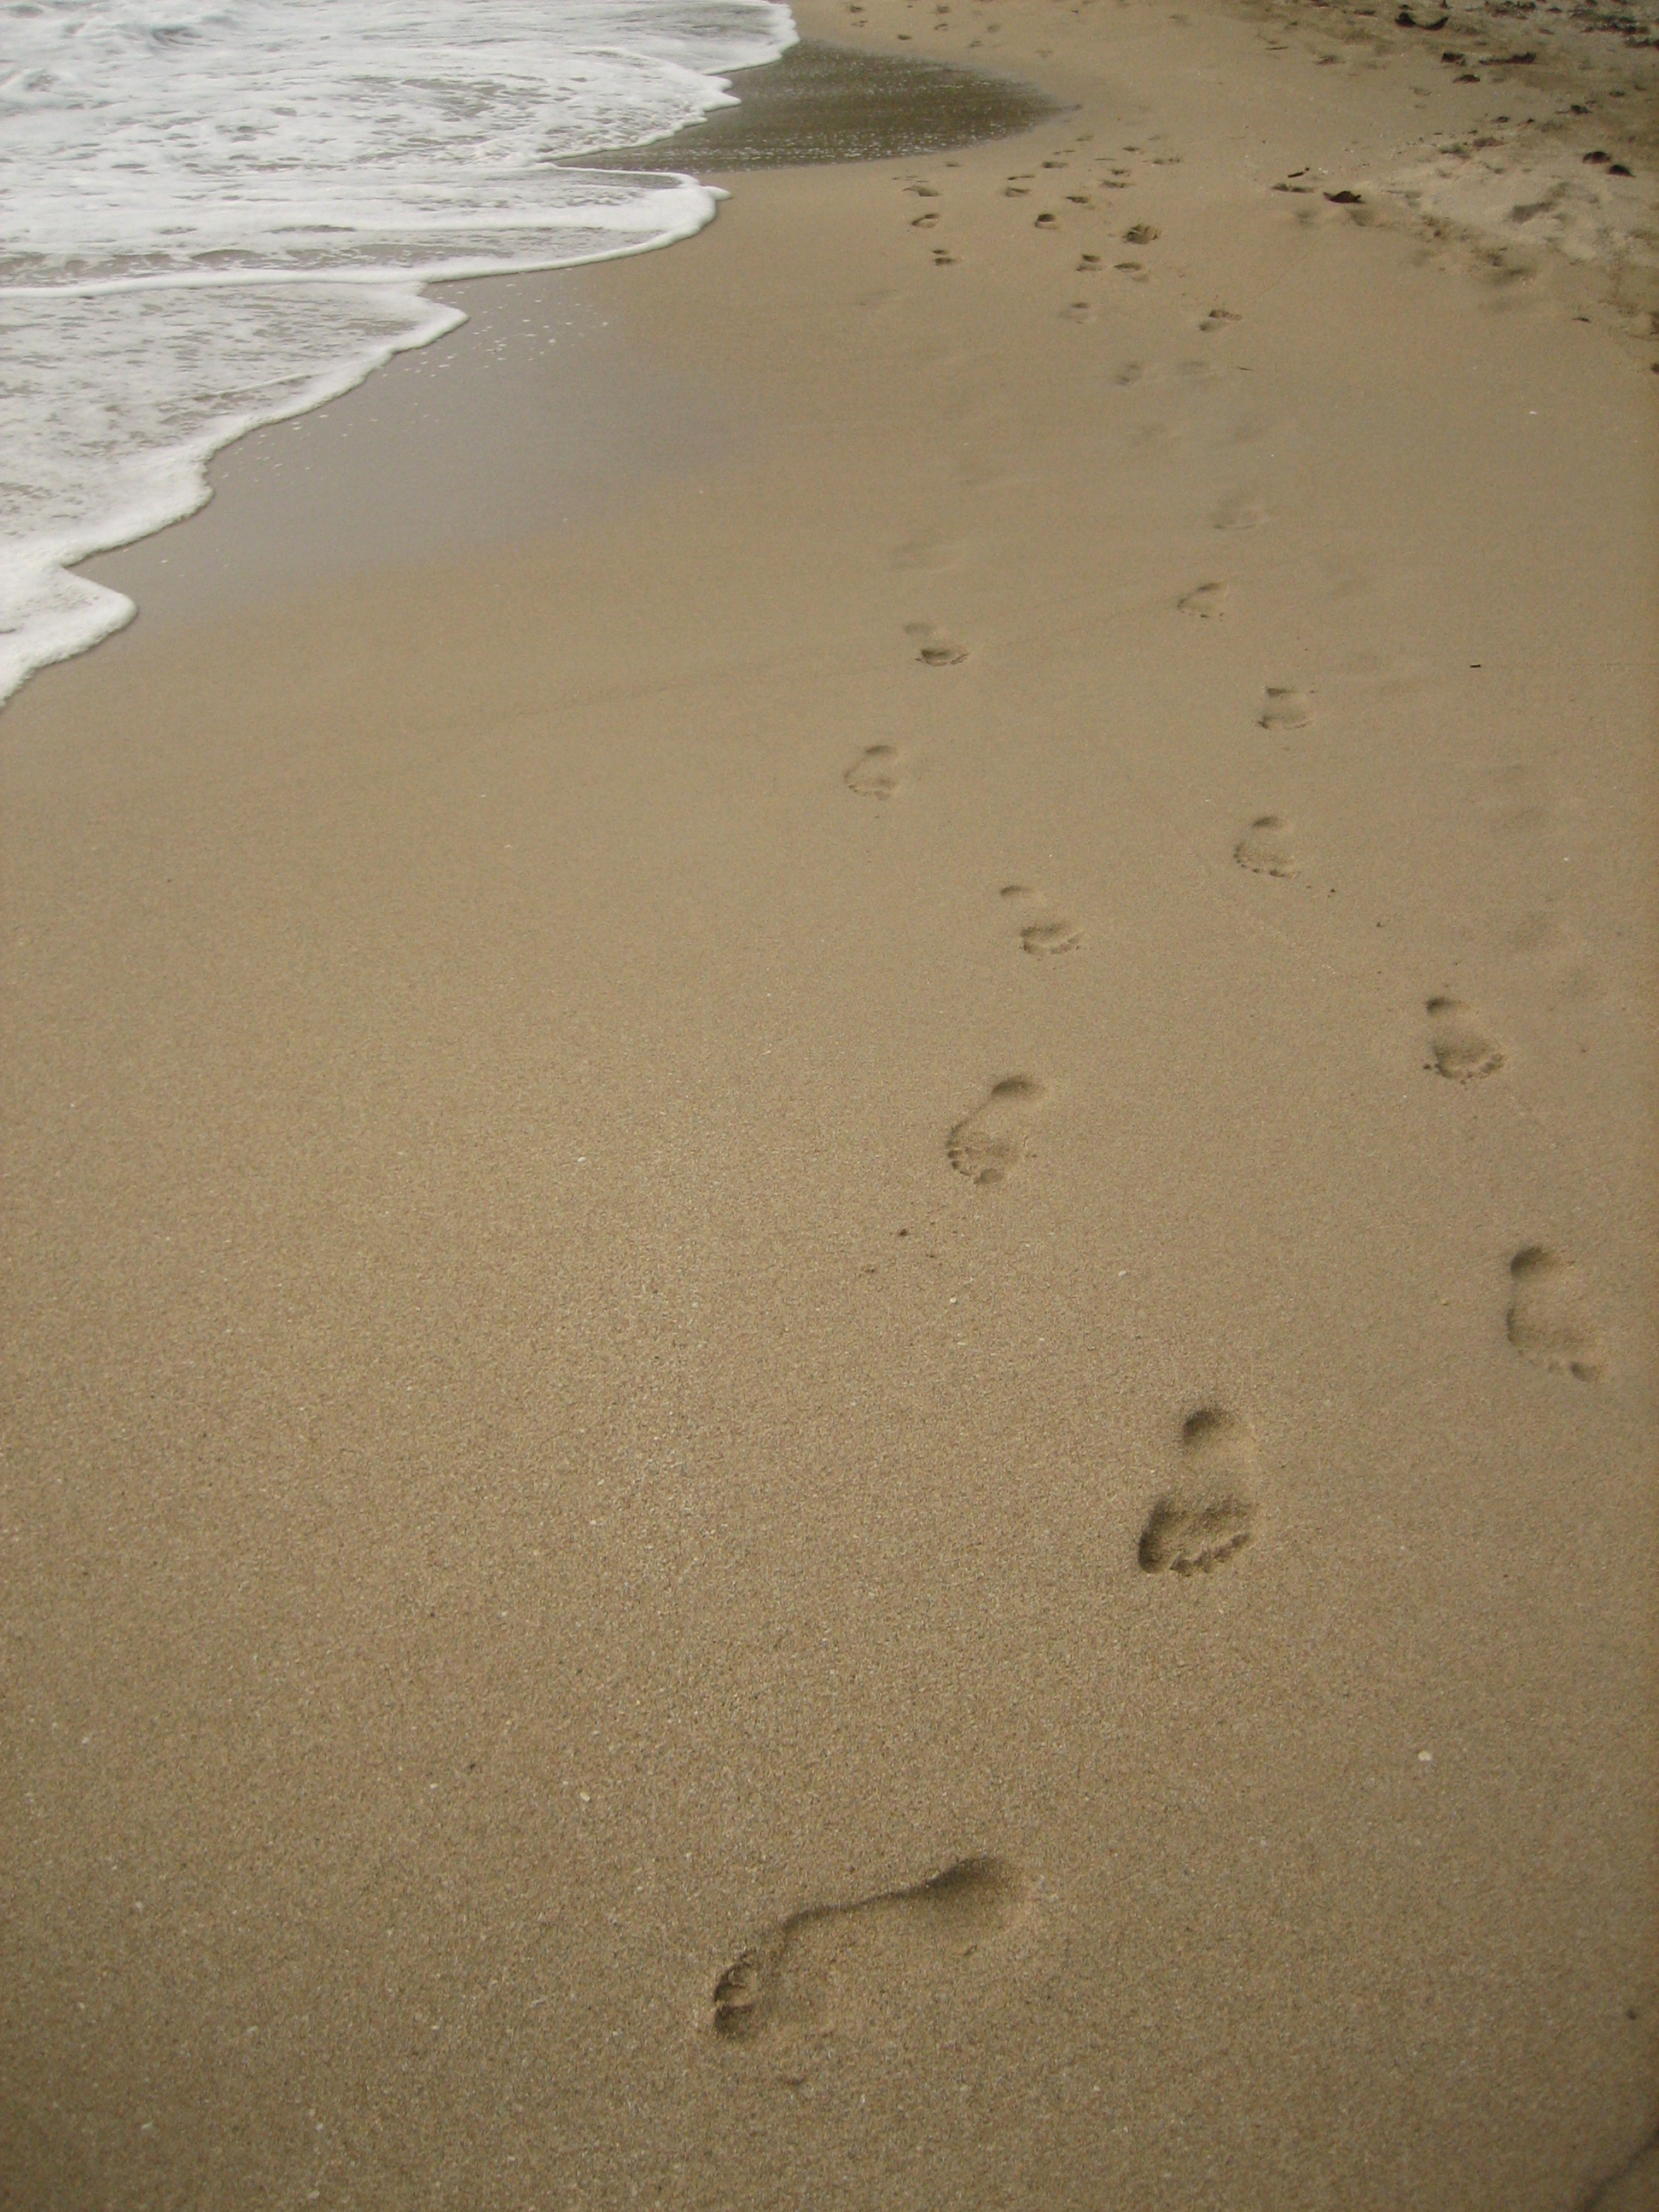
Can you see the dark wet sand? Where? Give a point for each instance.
(824, 102)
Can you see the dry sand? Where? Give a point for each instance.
(829, 1259)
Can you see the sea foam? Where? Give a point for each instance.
(224, 213)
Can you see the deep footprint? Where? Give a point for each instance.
(990, 1144)
(933, 648)
(1459, 1044)
(1046, 932)
(831, 1960)
(1211, 1513)
(1549, 1321)
(875, 773)
(1266, 847)
(1207, 601)
(1285, 709)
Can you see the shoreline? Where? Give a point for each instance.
(710, 1022)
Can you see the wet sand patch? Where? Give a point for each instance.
(827, 103)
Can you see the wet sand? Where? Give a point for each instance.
(830, 1295)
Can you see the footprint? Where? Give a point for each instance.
(1549, 1319)
(1049, 933)
(1217, 319)
(924, 222)
(1211, 1513)
(1243, 510)
(991, 1143)
(832, 1963)
(875, 773)
(932, 551)
(1140, 233)
(1266, 847)
(1207, 601)
(935, 650)
(1285, 709)
(1459, 1042)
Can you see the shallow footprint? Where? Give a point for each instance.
(831, 1958)
(1211, 1513)
(1549, 1321)
(990, 1144)
(1207, 601)
(932, 551)
(1266, 847)
(1044, 932)
(1243, 510)
(875, 773)
(934, 649)
(1459, 1042)
(1285, 709)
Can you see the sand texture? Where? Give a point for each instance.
(829, 1312)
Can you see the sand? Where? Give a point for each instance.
(829, 1269)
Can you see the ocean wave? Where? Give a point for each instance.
(224, 213)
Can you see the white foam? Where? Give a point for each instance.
(222, 212)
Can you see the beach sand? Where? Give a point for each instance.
(829, 1252)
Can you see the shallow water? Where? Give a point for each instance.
(224, 211)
